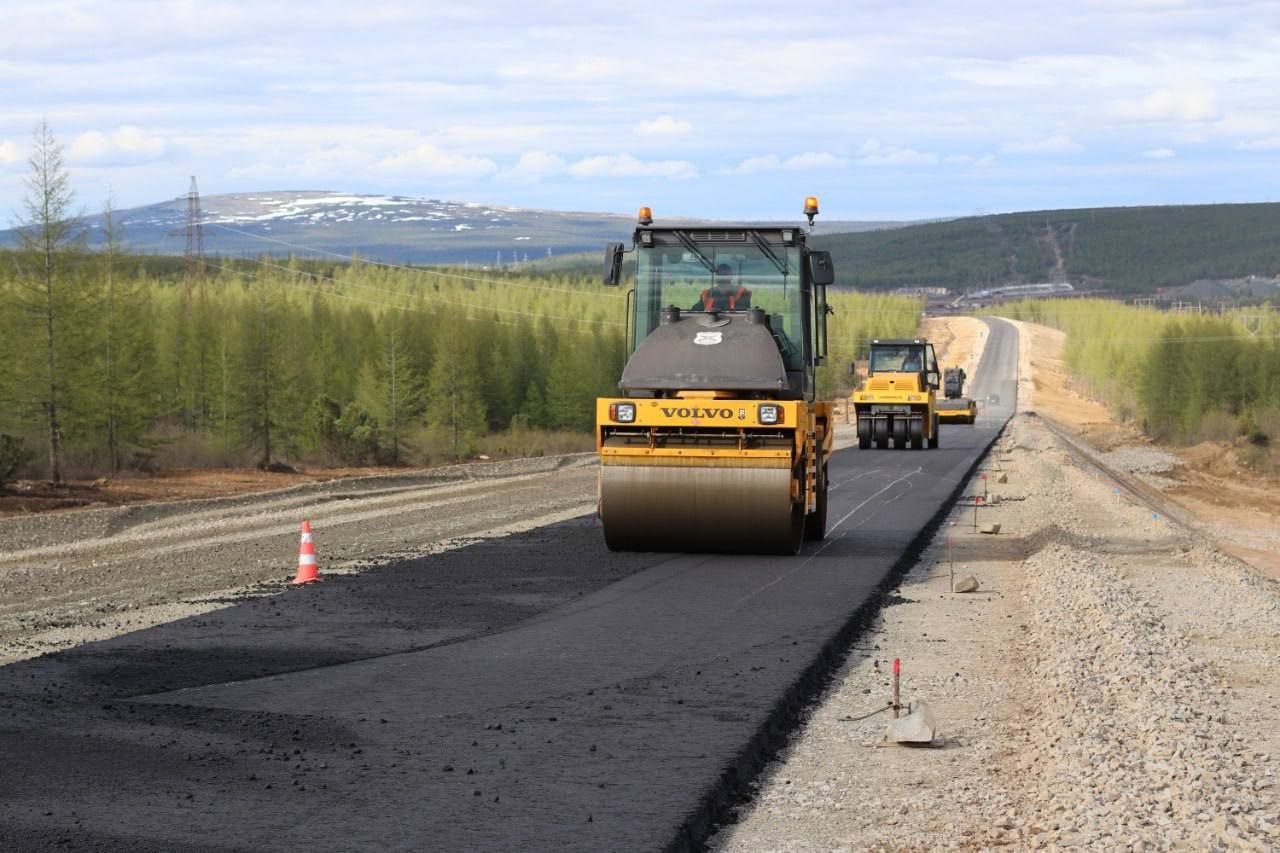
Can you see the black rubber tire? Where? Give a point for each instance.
(899, 434)
(933, 439)
(864, 433)
(916, 430)
(881, 433)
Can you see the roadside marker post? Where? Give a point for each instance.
(951, 558)
(984, 486)
(977, 501)
(897, 672)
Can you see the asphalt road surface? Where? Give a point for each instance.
(532, 692)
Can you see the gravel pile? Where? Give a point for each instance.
(1140, 460)
(1133, 743)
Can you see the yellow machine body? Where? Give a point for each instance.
(716, 441)
(702, 474)
(963, 411)
(898, 402)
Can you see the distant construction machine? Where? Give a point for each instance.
(718, 442)
(956, 408)
(898, 402)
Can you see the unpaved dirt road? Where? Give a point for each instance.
(72, 577)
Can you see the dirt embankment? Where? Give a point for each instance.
(29, 496)
(958, 341)
(1237, 507)
(1112, 683)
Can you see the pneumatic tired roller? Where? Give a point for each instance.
(898, 402)
(717, 442)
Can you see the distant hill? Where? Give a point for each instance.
(1124, 249)
(396, 229)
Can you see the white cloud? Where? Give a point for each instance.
(1160, 154)
(490, 134)
(533, 166)
(1271, 143)
(590, 69)
(8, 152)
(127, 145)
(1059, 143)
(815, 160)
(809, 160)
(627, 166)
(969, 160)
(663, 126)
(873, 153)
(427, 160)
(1248, 123)
(1186, 102)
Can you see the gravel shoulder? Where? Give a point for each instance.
(1112, 684)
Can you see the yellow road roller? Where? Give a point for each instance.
(955, 407)
(898, 400)
(716, 441)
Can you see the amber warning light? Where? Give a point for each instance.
(646, 216)
(811, 209)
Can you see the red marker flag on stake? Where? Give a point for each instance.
(897, 670)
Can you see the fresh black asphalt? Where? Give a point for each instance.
(534, 692)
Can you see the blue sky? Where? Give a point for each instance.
(887, 110)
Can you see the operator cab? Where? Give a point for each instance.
(724, 277)
(906, 356)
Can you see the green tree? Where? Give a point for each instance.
(455, 406)
(47, 293)
(126, 355)
(391, 389)
(262, 375)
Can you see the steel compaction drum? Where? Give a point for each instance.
(688, 508)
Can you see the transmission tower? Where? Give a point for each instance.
(195, 237)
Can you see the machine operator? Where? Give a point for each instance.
(725, 294)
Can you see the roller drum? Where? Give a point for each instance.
(689, 508)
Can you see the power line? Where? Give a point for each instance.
(419, 270)
(321, 292)
(424, 296)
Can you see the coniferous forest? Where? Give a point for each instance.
(1184, 378)
(110, 361)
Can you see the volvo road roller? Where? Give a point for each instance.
(716, 441)
(955, 407)
(898, 401)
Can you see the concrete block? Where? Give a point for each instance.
(968, 583)
(991, 529)
(1003, 478)
(917, 727)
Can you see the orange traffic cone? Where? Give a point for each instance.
(308, 570)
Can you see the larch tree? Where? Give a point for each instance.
(391, 389)
(47, 293)
(127, 356)
(455, 405)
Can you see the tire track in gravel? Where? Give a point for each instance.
(184, 563)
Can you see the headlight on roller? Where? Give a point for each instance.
(770, 414)
(623, 413)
